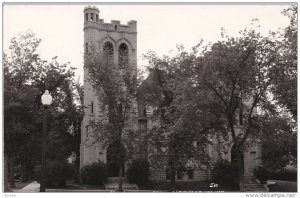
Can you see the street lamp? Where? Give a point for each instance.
(46, 101)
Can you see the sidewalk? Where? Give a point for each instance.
(32, 187)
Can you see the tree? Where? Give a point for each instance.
(278, 135)
(236, 72)
(180, 132)
(201, 94)
(279, 143)
(278, 111)
(115, 89)
(19, 66)
(285, 73)
(65, 117)
(223, 87)
(26, 77)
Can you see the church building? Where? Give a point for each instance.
(120, 42)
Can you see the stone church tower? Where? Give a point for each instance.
(118, 41)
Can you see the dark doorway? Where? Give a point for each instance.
(234, 157)
(114, 156)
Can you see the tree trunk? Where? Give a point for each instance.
(120, 177)
(23, 169)
(11, 174)
(120, 165)
(5, 172)
(29, 169)
(173, 169)
(240, 169)
(173, 174)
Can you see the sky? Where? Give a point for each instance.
(160, 27)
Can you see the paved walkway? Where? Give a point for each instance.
(32, 187)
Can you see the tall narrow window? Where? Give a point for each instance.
(116, 27)
(87, 131)
(108, 51)
(86, 48)
(92, 107)
(97, 17)
(123, 56)
(86, 17)
(92, 16)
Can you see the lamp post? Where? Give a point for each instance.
(46, 101)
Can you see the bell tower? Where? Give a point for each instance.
(118, 41)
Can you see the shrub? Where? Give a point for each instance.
(138, 172)
(57, 173)
(225, 174)
(284, 175)
(94, 173)
(261, 173)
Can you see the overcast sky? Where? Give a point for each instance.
(160, 27)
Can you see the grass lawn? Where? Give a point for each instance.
(187, 186)
(283, 186)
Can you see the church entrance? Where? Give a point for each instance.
(234, 157)
(114, 156)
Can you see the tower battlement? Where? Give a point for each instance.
(91, 8)
(92, 20)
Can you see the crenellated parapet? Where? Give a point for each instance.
(92, 20)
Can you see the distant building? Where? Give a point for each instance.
(120, 43)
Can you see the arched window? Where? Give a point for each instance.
(108, 51)
(123, 56)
